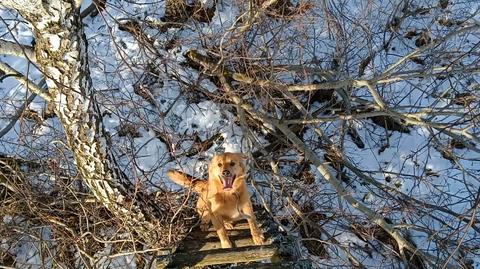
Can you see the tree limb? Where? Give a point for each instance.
(414, 53)
(15, 49)
(8, 70)
(321, 167)
(26, 7)
(62, 57)
(17, 115)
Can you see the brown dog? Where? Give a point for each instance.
(224, 198)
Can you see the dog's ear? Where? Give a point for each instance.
(212, 164)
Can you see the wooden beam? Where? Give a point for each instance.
(214, 243)
(240, 229)
(218, 256)
(301, 264)
(198, 235)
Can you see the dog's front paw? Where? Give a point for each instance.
(258, 239)
(226, 243)
(228, 225)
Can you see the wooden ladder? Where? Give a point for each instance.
(202, 249)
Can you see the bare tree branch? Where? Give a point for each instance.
(8, 70)
(15, 49)
(320, 166)
(17, 115)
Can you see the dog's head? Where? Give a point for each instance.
(227, 171)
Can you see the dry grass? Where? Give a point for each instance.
(69, 226)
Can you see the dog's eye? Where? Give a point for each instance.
(219, 164)
(232, 163)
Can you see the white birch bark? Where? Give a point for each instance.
(61, 55)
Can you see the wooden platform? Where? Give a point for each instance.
(202, 250)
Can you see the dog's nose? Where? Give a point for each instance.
(226, 173)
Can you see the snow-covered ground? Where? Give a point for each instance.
(189, 106)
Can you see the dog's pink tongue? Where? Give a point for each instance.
(227, 182)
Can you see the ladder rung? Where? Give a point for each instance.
(218, 256)
(214, 243)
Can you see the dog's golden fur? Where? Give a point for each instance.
(224, 197)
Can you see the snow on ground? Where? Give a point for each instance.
(117, 63)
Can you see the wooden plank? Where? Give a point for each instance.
(214, 243)
(218, 256)
(301, 264)
(213, 234)
(241, 230)
(243, 225)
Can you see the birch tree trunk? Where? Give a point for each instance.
(61, 55)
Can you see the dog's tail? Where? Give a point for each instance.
(186, 180)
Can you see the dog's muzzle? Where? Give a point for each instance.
(227, 179)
